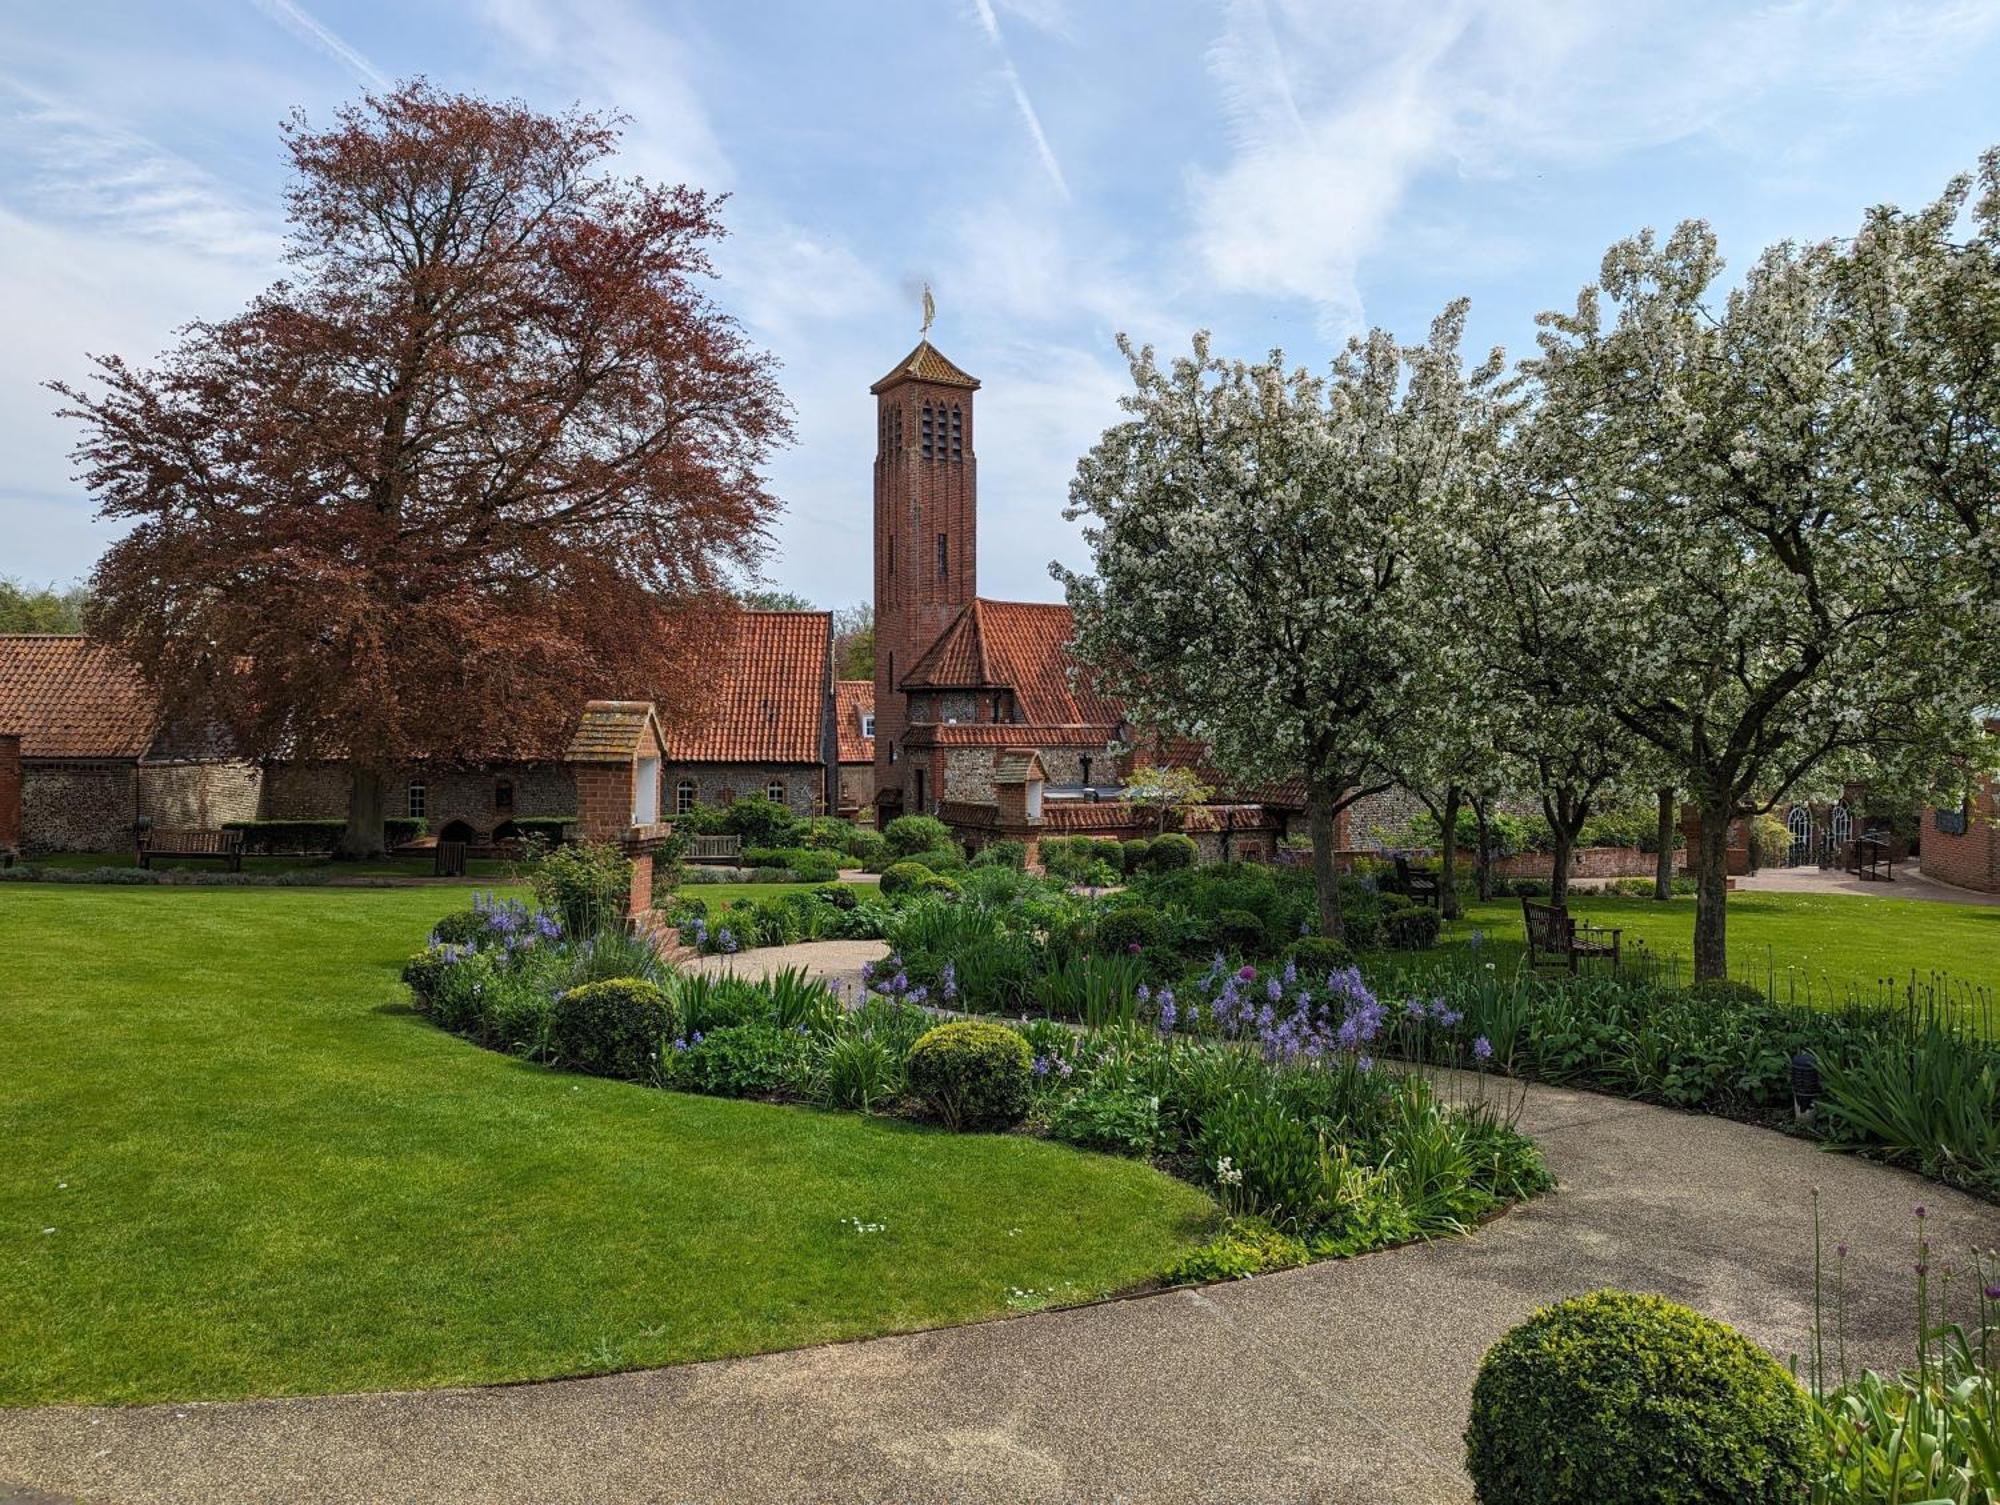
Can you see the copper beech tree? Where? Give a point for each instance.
(489, 449)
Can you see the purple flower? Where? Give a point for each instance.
(696, 1038)
(1274, 990)
(1840, 1251)
(1167, 1011)
(1920, 1212)
(949, 980)
(1131, 948)
(1482, 1049)
(1063, 1068)
(867, 970)
(1040, 1066)
(1366, 1063)
(1415, 1009)
(1993, 1293)
(1246, 973)
(680, 1044)
(725, 940)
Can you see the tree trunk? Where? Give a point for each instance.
(1565, 844)
(1483, 861)
(1711, 893)
(364, 836)
(1663, 860)
(1326, 878)
(1448, 853)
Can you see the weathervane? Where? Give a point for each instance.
(930, 310)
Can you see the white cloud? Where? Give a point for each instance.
(1337, 110)
(1046, 153)
(302, 23)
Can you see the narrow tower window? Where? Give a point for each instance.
(944, 556)
(957, 434)
(926, 432)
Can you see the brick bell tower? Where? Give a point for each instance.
(926, 533)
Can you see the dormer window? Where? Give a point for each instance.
(867, 723)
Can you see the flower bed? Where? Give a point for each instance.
(1270, 1099)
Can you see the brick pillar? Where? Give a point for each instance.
(10, 792)
(640, 902)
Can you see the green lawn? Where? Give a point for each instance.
(1817, 947)
(237, 1164)
(381, 867)
(719, 894)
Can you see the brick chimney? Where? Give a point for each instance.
(10, 792)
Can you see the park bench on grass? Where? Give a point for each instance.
(1553, 936)
(224, 846)
(448, 860)
(1419, 886)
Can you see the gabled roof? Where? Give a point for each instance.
(1017, 765)
(615, 731)
(769, 671)
(68, 697)
(927, 363)
(1090, 738)
(853, 699)
(1022, 646)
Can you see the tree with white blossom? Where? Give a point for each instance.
(1259, 538)
(1750, 599)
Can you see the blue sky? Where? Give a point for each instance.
(1281, 171)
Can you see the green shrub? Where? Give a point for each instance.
(462, 927)
(1726, 991)
(1008, 854)
(1622, 1399)
(1410, 927)
(759, 821)
(743, 1060)
(1171, 852)
(905, 877)
(1317, 955)
(839, 895)
(858, 1069)
(907, 835)
(804, 864)
(586, 885)
(1132, 854)
(972, 1074)
(944, 859)
(1245, 1247)
(424, 972)
(1129, 926)
(1239, 931)
(1119, 1117)
(613, 1028)
(866, 847)
(458, 998)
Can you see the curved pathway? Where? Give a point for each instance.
(1346, 1381)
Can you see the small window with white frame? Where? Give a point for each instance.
(416, 802)
(867, 723)
(684, 797)
(775, 791)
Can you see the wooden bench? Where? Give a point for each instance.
(1419, 886)
(224, 846)
(1553, 936)
(449, 859)
(714, 849)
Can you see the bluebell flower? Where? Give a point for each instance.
(1482, 1049)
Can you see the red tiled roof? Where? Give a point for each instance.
(927, 363)
(1018, 645)
(852, 700)
(1092, 815)
(614, 731)
(68, 697)
(1007, 734)
(1225, 817)
(769, 671)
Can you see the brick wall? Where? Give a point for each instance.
(1973, 859)
(318, 791)
(78, 806)
(857, 786)
(10, 792)
(1585, 862)
(199, 796)
(720, 783)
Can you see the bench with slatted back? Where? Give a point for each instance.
(223, 846)
(1554, 937)
(1419, 886)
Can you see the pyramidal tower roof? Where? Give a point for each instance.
(927, 363)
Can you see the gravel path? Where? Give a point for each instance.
(1345, 1381)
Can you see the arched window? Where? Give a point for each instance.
(684, 796)
(775, 791)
